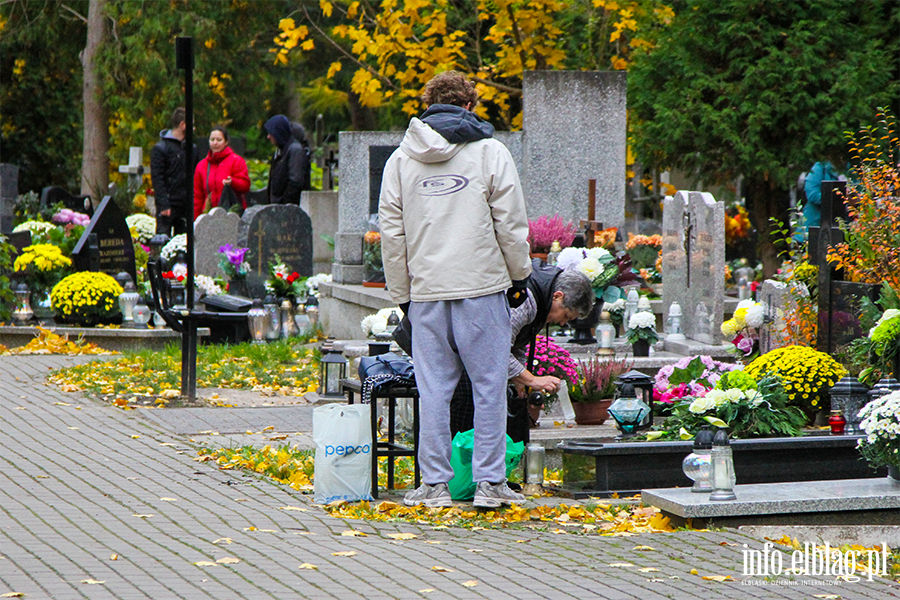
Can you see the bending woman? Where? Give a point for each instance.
(221, 167)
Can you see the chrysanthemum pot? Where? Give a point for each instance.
(592, 413)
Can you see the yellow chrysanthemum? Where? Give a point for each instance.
(806, 372)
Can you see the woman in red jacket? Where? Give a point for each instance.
(221, 167)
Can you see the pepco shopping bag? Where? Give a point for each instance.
(343, 438)
(462, 487)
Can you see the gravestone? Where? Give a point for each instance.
(212, 231)
(284, 230)
(53, 195)
(839, 301)
(693, 261)
(9, 193)
(378, 156)
(106, 244)
(777, 298)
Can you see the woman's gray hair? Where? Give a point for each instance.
(578, 295)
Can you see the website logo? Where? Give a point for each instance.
(441, 185)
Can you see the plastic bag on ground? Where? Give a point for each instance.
(343, 468)
(462, 487)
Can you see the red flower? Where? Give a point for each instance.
(168, 275)
(293, 277)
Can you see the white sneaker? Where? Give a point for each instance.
(492, 495)
(432, 496)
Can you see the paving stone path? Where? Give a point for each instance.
(93, 493)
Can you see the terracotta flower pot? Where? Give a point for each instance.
(540, 255)
(592, 413)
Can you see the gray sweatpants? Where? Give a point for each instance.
(447, 335)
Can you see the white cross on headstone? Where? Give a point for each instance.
(135, 168)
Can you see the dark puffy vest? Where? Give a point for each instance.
(540, 283)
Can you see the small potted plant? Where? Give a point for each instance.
(43, 266)
(552, 359)
(235, 268)
(595, 389)
(881, 446)
(284, 282)
(87, 299)
(545, 230)
(641, 332)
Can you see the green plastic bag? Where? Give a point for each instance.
(462, 487)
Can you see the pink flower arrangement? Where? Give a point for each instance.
(546, 230)
(700, 383)
(67, 215)
(551, 359)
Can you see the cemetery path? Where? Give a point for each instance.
(97, 503)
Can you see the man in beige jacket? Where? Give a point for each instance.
(454, 240)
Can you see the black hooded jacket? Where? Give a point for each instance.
(287, 174)
(167, 172)
(457, 124)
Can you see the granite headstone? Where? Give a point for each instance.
(212, 231)
(9, 193)
(106, 243)
(55, 195)
(282, 230)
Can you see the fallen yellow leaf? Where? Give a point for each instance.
(142, 516)
(643, 548)
(249, 528)
(57, 404)
(402, 536)
(228, 560)
(293, 508)
(441, 569)
(205, 563)
(169, 499)
(12, 595)
(309, 566)
(621, 564)
(114, 557)
(475, 550)
(169, 393)
(134, 437)
(91, 581)
(222, 541)
(353, 533)
(718, 578)
(432, 542)
(470, 583)
(477, 528)
(647, 570)
(269, 428)
(344, 553)
(694, 572)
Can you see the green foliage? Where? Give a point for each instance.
(7, 298)
(692, 373)
(259, 174)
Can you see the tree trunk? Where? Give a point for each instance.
(95, 156)
(765, 201)
(362, 117)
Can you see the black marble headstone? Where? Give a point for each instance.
(114, 250)
(284, 230)
(9, 193)
(378, 156)
(53, 195)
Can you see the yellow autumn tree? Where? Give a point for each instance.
(396, 46)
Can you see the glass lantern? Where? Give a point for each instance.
(128, 299)
(312, 311)
(288, 327)
(631, 304)
(628, 411)
(849, 396)
(673, 323)
(721, 474)
(606, 333)
(393, 321)
(141, 314)
(273, 312)
(301, 320)
(23, 310)
(643, 304)
(258, 320)
(696, 465)
(534, 468)
(643, 389)
(156, 244)
(331, 371)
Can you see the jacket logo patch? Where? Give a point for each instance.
(441, 185)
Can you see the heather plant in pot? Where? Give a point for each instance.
(593, 393)
(544, 230)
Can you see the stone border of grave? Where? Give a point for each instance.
(115, 340)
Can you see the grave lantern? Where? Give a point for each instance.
(156, 244)
(721, 468)
(534, 468)
(631, 304)
(393, 321)
(23, 310)
(128, 299)
(332, 370)
(288, 327)
(643, 304)
(696, 465)
(258, 319)
(643, 386)
(273, 312)
(743, 289)
(312, 311)
(628, 411)
(606, 333)
(674, 322)
(141, 314)
(848, 396)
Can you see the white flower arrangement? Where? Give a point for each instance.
(377, 323)
(571, 257)
(614, 307)
(642, 320)
(881, 423)
(312, 283)
(33, 227)
(207, 285)
(590, 267)
(716, 398)
(174, 246)
(142, 226)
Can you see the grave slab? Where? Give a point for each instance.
(212, 231)
(846, 501)
(277, 229)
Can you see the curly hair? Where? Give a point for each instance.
(450, 87)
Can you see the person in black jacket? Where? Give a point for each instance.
(174, 199)
(287, 173)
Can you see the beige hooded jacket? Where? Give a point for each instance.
(452, 217)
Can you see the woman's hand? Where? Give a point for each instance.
(227, 180)
(547, 384)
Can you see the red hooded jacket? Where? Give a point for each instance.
(209, 175)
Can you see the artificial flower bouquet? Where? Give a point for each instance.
(373, 267)
(87, 298)
(173, 247)
(608, 273)
(743, 328)
(747, 407)
(544, 230)
(616, 311)
(807, 374)
(43, 266)
(232, 262)
(690, 376)
(642, 326)
(312, 283)
(207, 286)
(881, 423)
(284, 282)
(142, 226)
(597, 379)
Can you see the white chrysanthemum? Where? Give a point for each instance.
(33, 227)
(701, 405)
(600, 254)
(643, 319)
(174, 246)
(143, 226)
(179, 270)
(207, 285)
(385, 313)
(744, 304)
(730, 327)
(734, 395)
(755, 316)
(569, 257)
(373, 324)
(617, 306)
(312, 283)
(590, 267)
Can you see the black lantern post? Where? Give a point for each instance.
(332, 370)
(849, 396)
